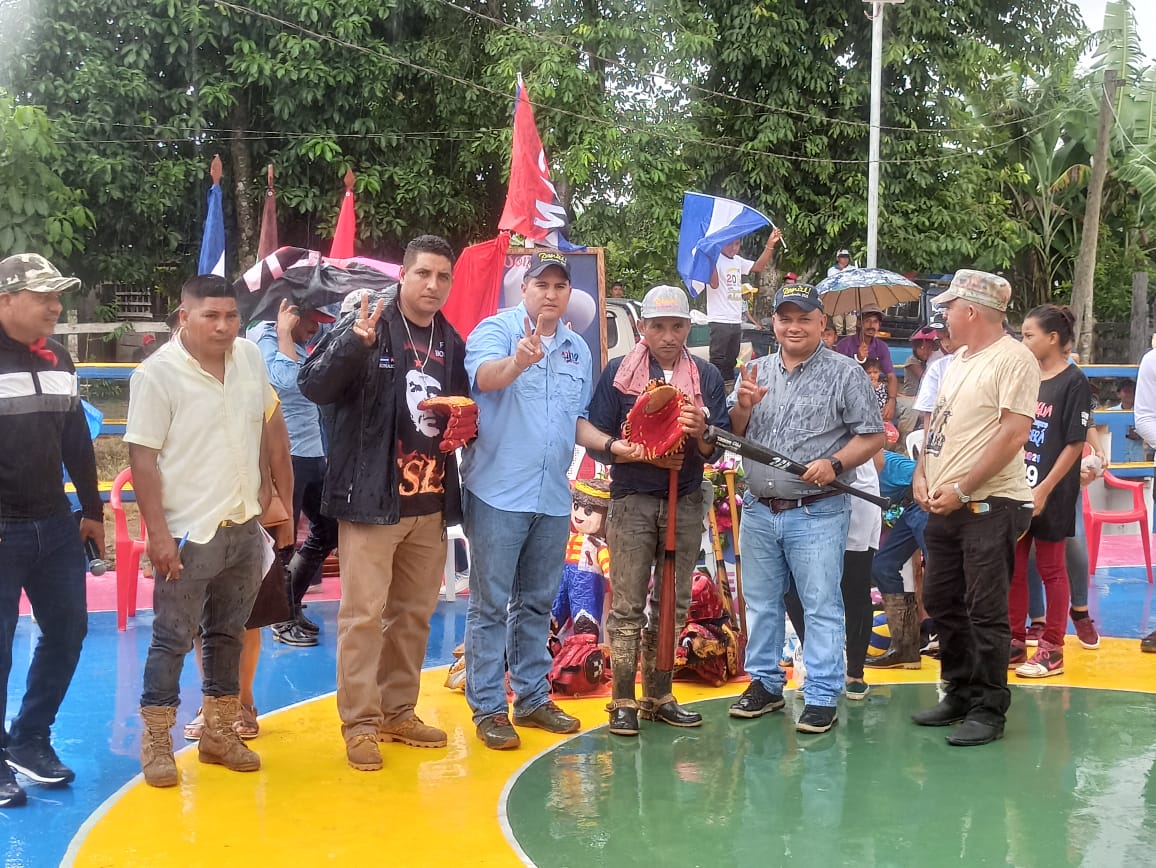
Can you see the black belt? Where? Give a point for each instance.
(779, 504)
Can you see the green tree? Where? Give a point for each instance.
(38, 212)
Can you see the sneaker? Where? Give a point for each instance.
(414, 732)
(857, 690)
(549, 717)
(1035, 634)
(756, 701)
(1048, 660)
(35, 759)
(362, 753)
(817, 718)
(12, 795)
(1017, 655)
(1087, 634)
(195, 727)
(496, 732)
(930, 647)
(290, 633)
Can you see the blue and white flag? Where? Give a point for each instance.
(212, 259)
(709, 223)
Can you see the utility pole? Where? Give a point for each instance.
(876, 16)
(1084, 278)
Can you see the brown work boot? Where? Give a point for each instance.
(219, 742)
(362, 752)
(414, 732)
(156, 746)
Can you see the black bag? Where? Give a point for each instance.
(272, 603)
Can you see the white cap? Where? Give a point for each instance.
(665, 300)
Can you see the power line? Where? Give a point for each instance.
(547, 37)
(596, 120)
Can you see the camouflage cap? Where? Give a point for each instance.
(34, 273)
(978, 287)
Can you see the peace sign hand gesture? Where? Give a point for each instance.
(750, 392)
(529, 349)
(365, 326)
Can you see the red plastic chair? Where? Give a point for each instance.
(128, 552)
(1094, 520)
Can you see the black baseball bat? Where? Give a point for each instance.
(757, 452)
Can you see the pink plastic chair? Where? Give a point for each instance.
(128, 552)
(1094, 520)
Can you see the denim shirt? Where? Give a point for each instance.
(302, 416)
(526, 431)
(811, 412)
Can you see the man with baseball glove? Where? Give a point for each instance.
(648, 415)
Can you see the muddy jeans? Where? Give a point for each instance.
(215, 592)
(636, 536)
(390, 576)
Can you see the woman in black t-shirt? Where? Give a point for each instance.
(1052, 459)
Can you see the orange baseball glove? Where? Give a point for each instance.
(461, 419)
(653, 420)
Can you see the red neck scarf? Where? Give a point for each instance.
(38, 348)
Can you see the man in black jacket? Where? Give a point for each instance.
(392, 489)
(42, 425)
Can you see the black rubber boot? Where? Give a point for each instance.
(903, 624)
(623, 667)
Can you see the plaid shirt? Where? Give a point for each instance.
(811, 412)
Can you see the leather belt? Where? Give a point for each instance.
(779, 504)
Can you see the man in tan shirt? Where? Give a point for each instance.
(198, 453)
(970, 479)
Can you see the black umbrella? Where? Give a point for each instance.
(310, 285)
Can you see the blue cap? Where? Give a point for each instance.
(805, 296)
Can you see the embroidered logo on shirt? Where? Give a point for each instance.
(385, 362)
(570, 357)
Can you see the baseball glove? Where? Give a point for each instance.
(461, 420)
(653, 420)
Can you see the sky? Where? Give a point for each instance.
(1144, 12)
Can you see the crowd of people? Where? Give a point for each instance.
(361, 432)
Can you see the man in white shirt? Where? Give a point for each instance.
(724, 303)
(1145, 423)
(197, 449)
(844, 323)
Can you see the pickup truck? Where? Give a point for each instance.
(622, 315)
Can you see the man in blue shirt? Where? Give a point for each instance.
(284, 345)
(530, 376)
(636, 523)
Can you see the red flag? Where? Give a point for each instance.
(477, 284)
(346, 232)
(532, 207)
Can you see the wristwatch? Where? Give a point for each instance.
(963, 498)
(836, 465)
(610, 442)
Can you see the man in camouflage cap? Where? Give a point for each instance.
(42, 426)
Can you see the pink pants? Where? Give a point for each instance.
(1050, 560)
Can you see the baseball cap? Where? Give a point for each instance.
(937, 319)
(34, 273)
(978, 287)
(927, 333)
(544, 259)
(843, 252)
(663, 300)
(802, 294)
(320, 316)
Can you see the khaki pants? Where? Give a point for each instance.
(390, 576)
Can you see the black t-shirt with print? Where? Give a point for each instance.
(1062, 418)
(421, 464)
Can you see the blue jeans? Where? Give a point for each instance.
(807, 544)
(515, 570)
(905, 538)
(45, 558)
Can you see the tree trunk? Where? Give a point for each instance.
(1084, 279)
(1141, 332)
(245, 209)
